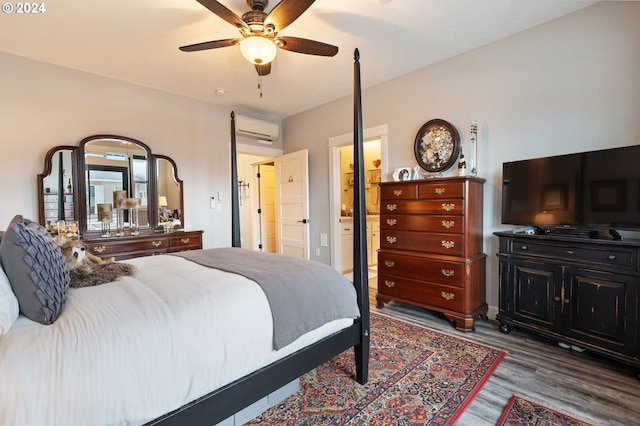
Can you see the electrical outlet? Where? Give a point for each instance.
(213, 202)
(317, 251)
(323, 240)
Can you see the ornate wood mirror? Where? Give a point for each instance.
(169, 189)
(100, 165)
(57, 186)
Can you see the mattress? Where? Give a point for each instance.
(129, 351)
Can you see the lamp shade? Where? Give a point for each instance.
(258, 50)
(104, 212)
(162, 201)
(118, 199)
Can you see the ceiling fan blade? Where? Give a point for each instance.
(264, 69)
(285, 12)
(210, 45)
(310, 47)
(224, 13)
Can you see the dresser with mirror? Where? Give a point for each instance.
(78, 182)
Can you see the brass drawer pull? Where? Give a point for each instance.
(448, 206)
(447, 296)
(448, 223)
(447, 272)
(390, 263)
(391, 207)
(156, 243)
(440, 191)
(99, 249)
(524, 248)
(570, 252)
(389, 283)
(391, 222)
(397, 192)
(185, 240)
(448, 244)
(612, 257)
(391, 240)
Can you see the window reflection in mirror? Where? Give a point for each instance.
(115, 165)
(58, 188)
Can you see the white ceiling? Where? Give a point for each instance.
(137, 41)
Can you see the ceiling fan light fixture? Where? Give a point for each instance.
(258, 50)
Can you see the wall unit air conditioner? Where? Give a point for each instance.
(255, 128)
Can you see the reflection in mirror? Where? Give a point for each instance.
(114, 164)
(57, 185)
(170, 197)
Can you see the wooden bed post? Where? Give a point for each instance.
(235, 206)
(360, 261)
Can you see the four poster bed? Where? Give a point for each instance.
(148, 349)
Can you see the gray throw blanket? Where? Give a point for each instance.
(302, 294)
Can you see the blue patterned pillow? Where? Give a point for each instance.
(36, 269)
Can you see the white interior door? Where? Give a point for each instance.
(264, 219)
(292, 204)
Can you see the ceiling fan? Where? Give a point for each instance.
(260, 40)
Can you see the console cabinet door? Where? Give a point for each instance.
(536, 294)
(600, 308)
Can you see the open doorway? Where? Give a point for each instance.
(256, 197)
(341, 194)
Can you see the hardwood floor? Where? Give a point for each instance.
(595, 388)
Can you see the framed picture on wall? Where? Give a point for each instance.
(402, 174)
(553, 197)
(609, 195)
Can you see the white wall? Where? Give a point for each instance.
(43, 106)
(569, 85)
(565, 86)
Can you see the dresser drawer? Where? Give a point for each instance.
(439, 190)
(615, 257)
(431, 270)
(399, 191)
(346, 226)
(184, 242)
(440, 296)
(431, 223)
(116, 247)
(429, 242)
(450, 206)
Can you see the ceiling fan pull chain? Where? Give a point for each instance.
(260, 85)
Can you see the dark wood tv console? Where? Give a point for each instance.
(579, 291)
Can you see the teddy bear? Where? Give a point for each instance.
(86, 269)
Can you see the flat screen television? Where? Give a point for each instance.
(581, 192)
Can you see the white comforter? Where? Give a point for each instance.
(129, 351)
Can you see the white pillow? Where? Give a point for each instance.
(9, 308)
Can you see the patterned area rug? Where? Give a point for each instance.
(521, 412)
(417, 376)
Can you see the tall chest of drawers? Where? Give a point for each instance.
(431, 247)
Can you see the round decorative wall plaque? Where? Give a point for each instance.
(437, 145)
